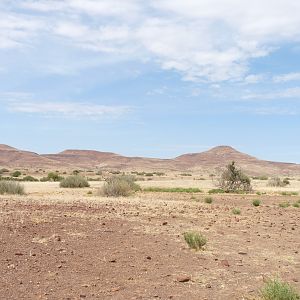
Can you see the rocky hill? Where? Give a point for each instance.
(207, 161)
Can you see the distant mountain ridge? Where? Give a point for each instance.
(206, 161)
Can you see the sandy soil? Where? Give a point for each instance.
(65, 244)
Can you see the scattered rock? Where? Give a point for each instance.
(183, 278)
(225, 263)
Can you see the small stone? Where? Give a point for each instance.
(183, 278)
(165, 223)
(208, 286)
(225, 263)
(242, 253)
(149, 257)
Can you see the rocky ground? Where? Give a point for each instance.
(70, 245)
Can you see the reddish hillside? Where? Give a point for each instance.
(12, 157)
(207, 161)
(91, 158)
(219, 156)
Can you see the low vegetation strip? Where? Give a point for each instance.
(11, 187)
(172, 190)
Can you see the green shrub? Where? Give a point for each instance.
(159, 173)
(195, 240)
(284, 204)
(289, 193)
(52, 177)
(11, 187)
(74, 181)
(233, 180)
(256, 202)
(236, 211)
(216, 191)
(118, 186)
(16, 174)
(29, 178)
(277, 290)
(208, 200)
(172, 190)
(296, 204)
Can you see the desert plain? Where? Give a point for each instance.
(61, 243)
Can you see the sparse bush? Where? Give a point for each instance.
(284, 204)
(260, 177)
(296, 204)
(289, 193)
(172, 190)
(236, 211)
(195, 240)
(29, 178)
(16, 174)
(118, 186)
(159, 173)
(216, 191)
(208, 200)
(115, 172)
(11, 187)
(256, 202)
(286, 181)
(52, 177)
(149, 174)
(233, 180)
(74, 181)
(277, 182)
(278, 290)
(3, 170)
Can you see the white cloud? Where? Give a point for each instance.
(254, 78)
(22, 103)
(271, 111)
(290, 93)
(287, 77)
(207, 40)
(17, 30)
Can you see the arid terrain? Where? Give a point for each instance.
(74, 244)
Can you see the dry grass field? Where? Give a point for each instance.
(73, 244)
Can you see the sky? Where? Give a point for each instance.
(154, 78)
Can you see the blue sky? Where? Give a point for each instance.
(151, 78)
